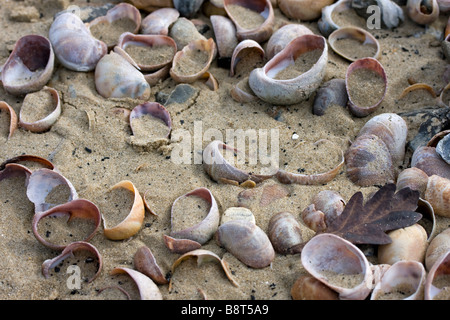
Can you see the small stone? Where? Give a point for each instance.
(181, 94)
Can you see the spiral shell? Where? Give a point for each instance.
(73, 44)
(423, 12)
(247, 242)
(29, 66)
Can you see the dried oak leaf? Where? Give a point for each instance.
(367, 223)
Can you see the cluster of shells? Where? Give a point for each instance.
(412, 264)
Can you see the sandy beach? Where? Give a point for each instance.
(92, 145)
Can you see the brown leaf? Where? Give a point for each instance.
(367, 223)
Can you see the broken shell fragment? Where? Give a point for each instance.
(148, 290)
(312, 179)
(133, 222)
(204, 230)
(115, 77)
(13, 123)
(285, 233)
(219, 169)
(225, 35)
(328, 257)
(68, 252)
(253, 19)
(193, 61)
(437, 247)
(309, 288)
(404, 280)
(270, 83)
(330, 93)
(145, 262)
(73, 44)
(29, 66)
(325, 207)
(48, 188)
(49, 119)
(408, 243)
(326, 24)
(180, 246)
(437, 284)
(423, 12)
(205, 256)
(360, 43)
(121, 18)
(280, 38)
(150, 52)
(246, 48)
(75, 209)
(247, 242)
(242, 92)
(362, 71)
(159, 21)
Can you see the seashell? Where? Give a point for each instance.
(48, 188)
(121, 18)
(305, 10)
(204, 230)
(157, 76)
(148, 290)
(361, 43)
(159, 21)
(413, 178)
(408, 243)
(205, 256)
(309, 288)
(153, 51)
(13, 123)
(404, 280)
(369, 162)
(225, 35)
(330, 93)
(145, 262)
(366, 67)
(325, 207)
(75, 209)
(29, 66)
(418, 86)
(242, 92)
(247, 242)
(254, 19)
(392, 129)
(428, 220)
(220, 170)
(193, 61)
(28, 158)
(184, 31)
(237, 213)
(311, 179)
(444, 6)
(295, 88)
(115, 77)
(246, 50)
(423, 12)
(326, 24)
(133, 221)
(73, 44)
(436, 284)
(188, 8)
(43, 124)
(328, 257)
(156, 113)
(429, 161)
(285, 233)
(437, 247)
(180, 246)
(152, 5)
(391, 13)
(68, 251)
(438, 195)
(443, 147)
(213, 8)
(280, 38)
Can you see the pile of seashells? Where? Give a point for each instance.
(411, 263)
